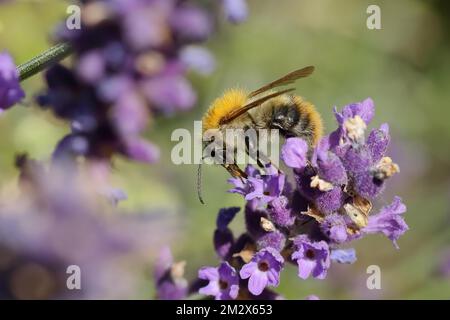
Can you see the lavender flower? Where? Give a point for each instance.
(130, 65)
(266, 188)
(336, 183)
(389, 221)
(294, 153)
(273, 239)
(334, 226)
(236, 11)
(312, 257)
(62, 217)
(198, 59)
(243, 187)
(223, 281)
(10, 90)
(263, 270)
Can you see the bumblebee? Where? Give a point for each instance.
(265, 108)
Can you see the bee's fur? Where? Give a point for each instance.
(239, 109)
(290, 114)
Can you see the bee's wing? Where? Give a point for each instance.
(236, 113)
(287, 79)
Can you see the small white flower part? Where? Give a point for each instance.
(355, 128)
(322, 185)
(356, 215)
(267, 225)
(386, 168)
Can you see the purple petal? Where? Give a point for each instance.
(305, 268)
(248, 269)
(257, 282)
(273, 277)
(378, 141)
(389, 221)
(294, 153)
(10, 90)
(208, 273)
(225, 216)
(211, 289)
(343, 255)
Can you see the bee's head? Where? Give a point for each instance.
(285, 118)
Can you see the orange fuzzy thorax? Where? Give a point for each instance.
(232, 99)
(309, 110)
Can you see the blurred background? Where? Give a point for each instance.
(404, 68)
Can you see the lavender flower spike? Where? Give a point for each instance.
(10, 90)
(223, 281)
(263, 270)
(312, 257)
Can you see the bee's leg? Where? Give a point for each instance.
(262, 159)
(248, 146)
(235, 171)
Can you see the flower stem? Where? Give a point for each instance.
(44, 60)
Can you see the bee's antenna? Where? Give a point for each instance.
(199, 183)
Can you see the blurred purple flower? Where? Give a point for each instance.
(191, 24)
(169, 277)
(10, 89)
(62, 217)
(170, 93)
(130, 65)
(236, 11)
(141, 150)
(198, 59)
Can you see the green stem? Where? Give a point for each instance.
(44, 60)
